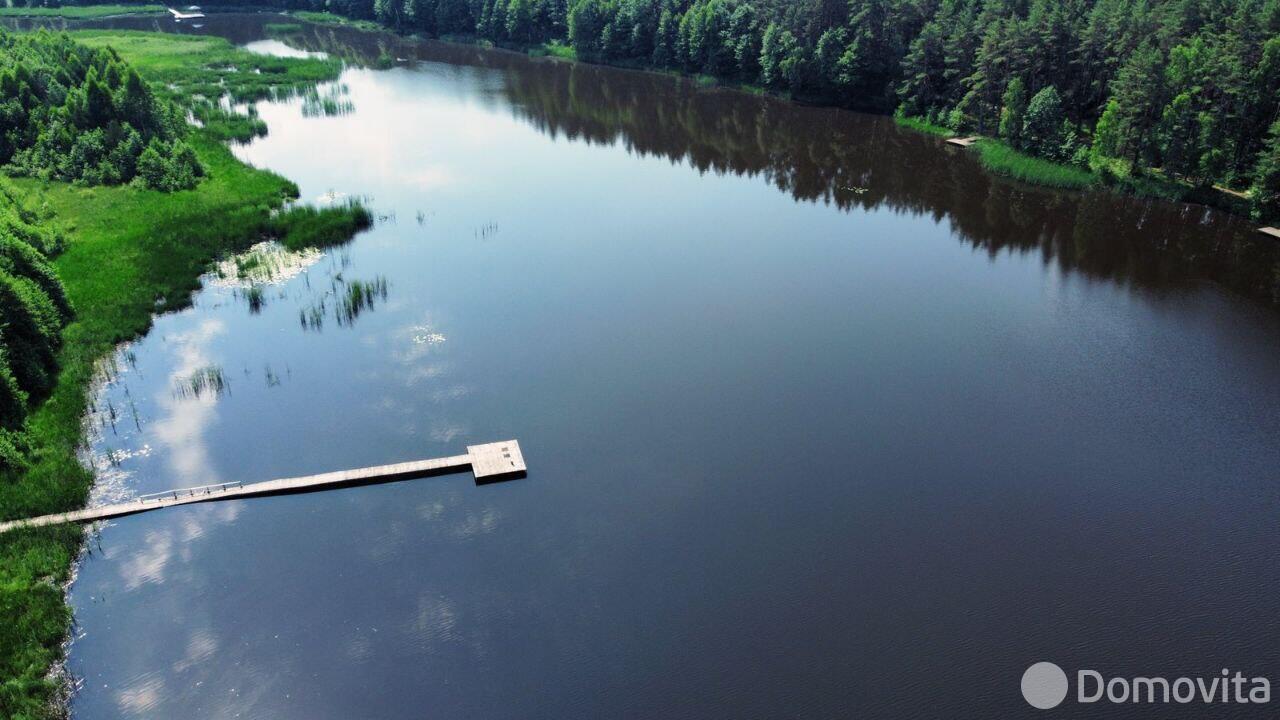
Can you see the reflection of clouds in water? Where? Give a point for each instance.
(430, 177)
(148, 564)
(431, 511)
(453, 392)
(200, 647)
(111, 486)
(378, 138)
(179, 433)
(360, 647)
(438, 621)
(142, 695)
(485, 521)
(423, 373)
(435, 622)
(387, 546)
(443, 516)
(183, 422)
(446, 433)
(414, 342)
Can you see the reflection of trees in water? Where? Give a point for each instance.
(842, 158)
(858, 161)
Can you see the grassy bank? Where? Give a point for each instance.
(328, 18)
(555, 49)
(82, 12)
(1001, 159)
(922, 125)
(132, 252)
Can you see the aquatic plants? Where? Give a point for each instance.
(332, 103)
(208, 380)
(303, 226)
(359, 296)
(351, 298)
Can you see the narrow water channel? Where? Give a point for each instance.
(821, 421)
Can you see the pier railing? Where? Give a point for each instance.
(189, 492)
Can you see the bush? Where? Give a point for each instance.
(169, 167)
(1043, 133)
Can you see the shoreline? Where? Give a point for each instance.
(133, 254)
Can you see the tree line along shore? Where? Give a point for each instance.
(1169, 98)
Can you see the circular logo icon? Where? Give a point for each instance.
(1044, 685)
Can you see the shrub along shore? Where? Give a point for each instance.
(121, 251)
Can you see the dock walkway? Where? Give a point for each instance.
(488, 462)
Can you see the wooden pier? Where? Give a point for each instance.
(488, 463)
(963, 141)
(1273, 232)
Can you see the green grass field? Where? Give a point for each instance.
(132, 252)
(82, 12)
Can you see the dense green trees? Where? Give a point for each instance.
(68, 112)
(1188, 87)
(33, 309)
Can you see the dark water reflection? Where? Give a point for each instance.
(821, 422)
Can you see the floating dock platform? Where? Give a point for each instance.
(964, 141)
(488, 463)
(1273, 232)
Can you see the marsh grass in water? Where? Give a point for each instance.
(303, 226)
(256, 298)
(359, 297)
(330, 103)
(208, 380)
(349, 298)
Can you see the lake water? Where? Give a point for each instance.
(821, 421)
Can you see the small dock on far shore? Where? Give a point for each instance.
(489, 462)
(963, 141)
(1273, 232)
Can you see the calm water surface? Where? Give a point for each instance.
(821, 422)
